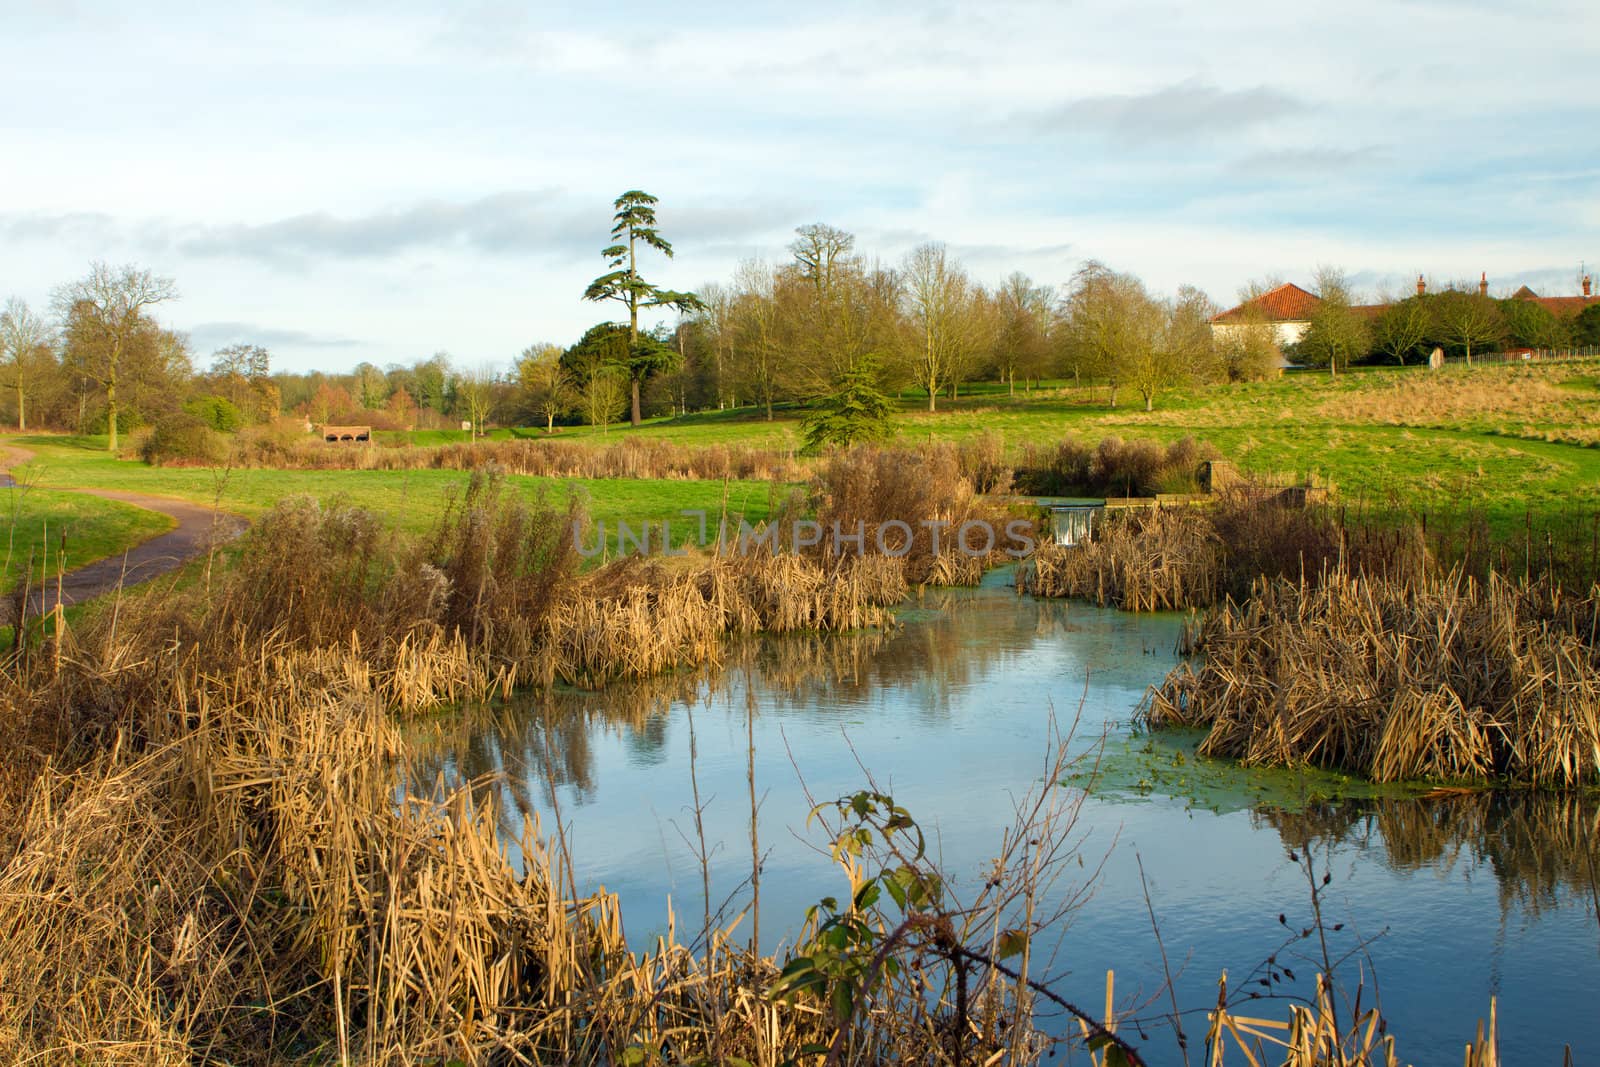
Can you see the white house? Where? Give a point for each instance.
(1287, 309)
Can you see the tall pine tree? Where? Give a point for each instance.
(633, 225)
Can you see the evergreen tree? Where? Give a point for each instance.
(635, 223)
(856, 411)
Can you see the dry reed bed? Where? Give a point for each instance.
(1442, 677)
(910, 505)
(638, 618)
(1155, 559)
(246, 889)
(1113, 467)
(1179, 557)
(630, 458)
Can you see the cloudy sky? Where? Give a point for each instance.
(379, 181)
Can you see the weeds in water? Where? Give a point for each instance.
(1443, 678)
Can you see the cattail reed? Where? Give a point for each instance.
(1442, 677)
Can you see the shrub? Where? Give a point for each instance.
(182, 438)
(873, 489)
(217, 412)
(1114, 467)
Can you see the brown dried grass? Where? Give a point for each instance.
(633, 457)
(867, 491)
(1443, 677)
(1149, 559)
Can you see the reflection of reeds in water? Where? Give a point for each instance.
(1540, 846)
(1442, 677)
(511, 750)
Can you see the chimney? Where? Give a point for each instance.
(1422, 286)
(1483, 284)
(1586, 287)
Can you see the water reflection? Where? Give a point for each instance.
(1484, 894)
(1540, 847)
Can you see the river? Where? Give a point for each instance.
(1459, 898)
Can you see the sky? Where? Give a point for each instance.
(381, 181)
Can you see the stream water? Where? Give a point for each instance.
(1463, 897)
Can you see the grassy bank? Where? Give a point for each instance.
(410, 500)
(1497, 440)
(49, 527)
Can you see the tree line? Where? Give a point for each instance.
(830, 322)
(828, 328)
(98, 361)
(1462, 320)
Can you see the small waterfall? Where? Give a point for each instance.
(1072, 524)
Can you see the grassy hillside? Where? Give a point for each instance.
(1501, 440)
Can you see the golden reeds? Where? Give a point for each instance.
(637, 618)
(1150, 559)
(1441, 677)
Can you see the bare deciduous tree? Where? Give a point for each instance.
(106, 311)
(604, 395)
(757, 332)
(943, 308)
(1337, 333)
(1402, 327)
(1022, 330)
(1467, 319)
(25, 354)
(546, 388)
(1109, 324)
(475, 390)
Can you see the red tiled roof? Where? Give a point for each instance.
(1563, 307)
(1286, 303)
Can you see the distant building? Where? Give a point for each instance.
(1287, 309)
(1562, 307)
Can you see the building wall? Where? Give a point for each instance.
(1287, 333)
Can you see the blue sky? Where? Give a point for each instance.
(377, 182)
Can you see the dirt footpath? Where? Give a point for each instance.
(162, 554)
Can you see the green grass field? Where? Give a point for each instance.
(411, 500)
(1502, 441)
(38, 525)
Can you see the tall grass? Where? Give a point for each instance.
(632, 457)
(1185, 556)
(1442, 676)
(913, 503)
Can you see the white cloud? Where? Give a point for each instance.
(407, 179)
